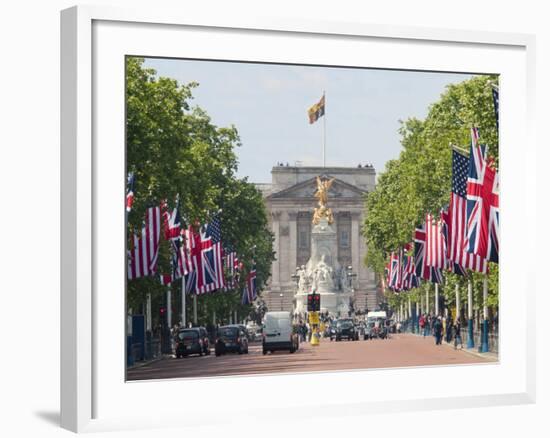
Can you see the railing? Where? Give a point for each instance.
(151, 351)
(493, 338)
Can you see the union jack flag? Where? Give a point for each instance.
(174, 233)
(191, 283)
(211, 276)
(482, 208)
(192, 243)
(143, 255)
(422, 270)
(395, 272)
(454, 220)
(409, 277)
(249, 291)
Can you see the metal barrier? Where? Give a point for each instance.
(407, 327)
(152, 350)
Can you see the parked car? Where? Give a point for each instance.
(345, 329)
(231, 339)
(278, 333)
(192, 341)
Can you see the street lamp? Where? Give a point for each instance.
(281, 296)
(351, 275)
(296, 279)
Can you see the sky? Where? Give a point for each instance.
(268, 103)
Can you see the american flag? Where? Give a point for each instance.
(482, 207)
(435, 244)
(211, 276)
(455, 221)
(422, 270)
(130, 191)
(143, 255)
(395, 271)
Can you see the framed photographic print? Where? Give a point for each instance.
(275, 207)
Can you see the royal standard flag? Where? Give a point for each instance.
(316, 110)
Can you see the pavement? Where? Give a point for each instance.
(473, 351)
(401, 350)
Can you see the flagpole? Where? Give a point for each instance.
(416, 322)
(428, 299)
(457, 301)
(436, 303)
(183, 321)
(324, 131)
(169, 306)
(470, 316)
(195, 309)
(485, 326)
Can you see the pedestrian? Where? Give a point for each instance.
(422, 323)
(457, 334)
(438, 330)
(449, 328)
(428, 325)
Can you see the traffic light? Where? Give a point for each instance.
(162, 312)
(313, 302)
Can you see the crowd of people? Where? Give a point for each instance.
(441, 328)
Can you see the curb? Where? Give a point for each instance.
(472, 351)
(147, 362)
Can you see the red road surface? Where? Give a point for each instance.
(402, 350)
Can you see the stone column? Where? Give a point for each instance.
(275, 267)
(363, 273)
(293, 247)
(355, 243)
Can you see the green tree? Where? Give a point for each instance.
(419, 181)
(175, 150)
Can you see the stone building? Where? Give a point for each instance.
(290, 203)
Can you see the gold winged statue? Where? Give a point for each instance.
(322, 195)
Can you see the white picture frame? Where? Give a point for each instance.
(93, 398)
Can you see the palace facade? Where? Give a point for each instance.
(290, 203)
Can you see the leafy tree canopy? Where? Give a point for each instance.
(175, 149)
(419, 181)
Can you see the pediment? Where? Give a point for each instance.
(306, 190)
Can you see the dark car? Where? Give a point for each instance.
(231, 339)
(345, 329)
(330, 331)
(192, 341)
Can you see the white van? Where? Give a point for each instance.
(278, 333)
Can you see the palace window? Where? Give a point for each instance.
(344, 238)
(303, 241)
